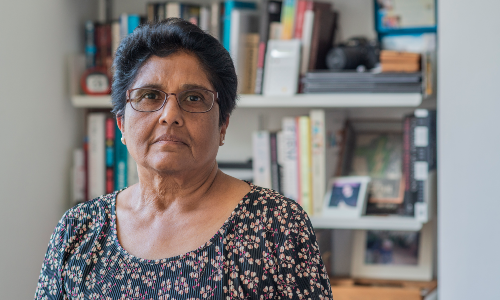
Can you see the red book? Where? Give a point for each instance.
(299, 18)
(110, 155)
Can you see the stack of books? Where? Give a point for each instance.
(394, 61)
(366, 82)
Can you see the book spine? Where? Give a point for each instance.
(123, 26)
(290, 161)
(205, 18)
(307, 31)
(133, 22)
(305, 163)
(288, 19)
(110, 155)
(86, 166)
(275, 175)
(280, 141)
(226, 35)
(90, 47)
(407, 207)
(261, 159)
(215, 11)
(250, 67)
(78, 176)
(318, 161)
(120, 161)
(115, 37)
(97, 163)
(299, 19)
(173, 10)
(151, 12)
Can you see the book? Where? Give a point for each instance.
(151, 9)
(215, 20)
(123, 26)
(326, 129)
(307, 30)
(229, 6)
(290, 159)
(120, 167)
(407, 207)
(90, 47)
(322, 36)
(299, 18)
(205, 18)
(78, 176)
(96, 154)
(110, 154)
(304, 157)
(115, 37)
(275, 167)
(270, 12)
(400, 67)
(288, 19)
(173, 10)
(103, 45)
(261, 163)
(243, 22)
(133, 22)
(249, 68)
(191, 13)
(281, 71)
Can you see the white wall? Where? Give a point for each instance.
(469, 149)
(38, 130)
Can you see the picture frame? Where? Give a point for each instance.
(346, 197)
(421, 269)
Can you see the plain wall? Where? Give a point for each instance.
(38, 130)
(469, 150)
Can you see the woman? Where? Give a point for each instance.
(173, 91)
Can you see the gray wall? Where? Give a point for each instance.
(469, 149)
(38, 130)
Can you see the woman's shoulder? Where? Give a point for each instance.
(273, 205)
(91, 211)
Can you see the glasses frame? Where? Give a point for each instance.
(216, 97)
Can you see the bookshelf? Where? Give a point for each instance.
(299, 100)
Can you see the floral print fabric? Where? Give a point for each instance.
(266, 249)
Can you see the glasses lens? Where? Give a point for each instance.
(197, 100)
(146, 99)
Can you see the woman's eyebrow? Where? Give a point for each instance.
(190, 86)
(152, 86)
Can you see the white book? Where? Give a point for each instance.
(243, 21)
(123, 26)
(281, 71)
(115, 36)
(173, 10)
(261, 159)
(78, 176)
(326, 127)
(215, 20)
(205, 18)
(96, 154)
(307, 31)
(132, 174)
(290, 163)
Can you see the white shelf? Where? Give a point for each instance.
(91, 101)
(300, 100)
(368, 223)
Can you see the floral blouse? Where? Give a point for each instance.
(266, 249)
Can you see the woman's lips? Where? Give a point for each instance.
(169, 139)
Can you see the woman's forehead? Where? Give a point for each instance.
(172, 72)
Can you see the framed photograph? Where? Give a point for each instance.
(346, 197)
(399, 255)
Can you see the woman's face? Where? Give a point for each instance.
(172, 140)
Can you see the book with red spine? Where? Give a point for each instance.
(299, 18)
(110, 154)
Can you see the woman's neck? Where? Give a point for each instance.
(159, 193)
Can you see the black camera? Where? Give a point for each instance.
(353, 53)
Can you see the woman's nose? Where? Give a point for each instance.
(171, 113)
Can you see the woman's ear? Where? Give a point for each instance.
(121, 125)
(223, 130)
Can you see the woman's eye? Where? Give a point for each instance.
(194, 98)
(150, 96)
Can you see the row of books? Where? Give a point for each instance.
(243, 28)
(103, 165)
(400, 157)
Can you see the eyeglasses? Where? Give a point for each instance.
(193, 101)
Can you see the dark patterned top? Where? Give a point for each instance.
(266, 249)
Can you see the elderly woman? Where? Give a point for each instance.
(186, 230)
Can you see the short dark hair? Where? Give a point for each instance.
(167, 37)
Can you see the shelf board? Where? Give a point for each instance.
(368, 223)
(300, 100)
